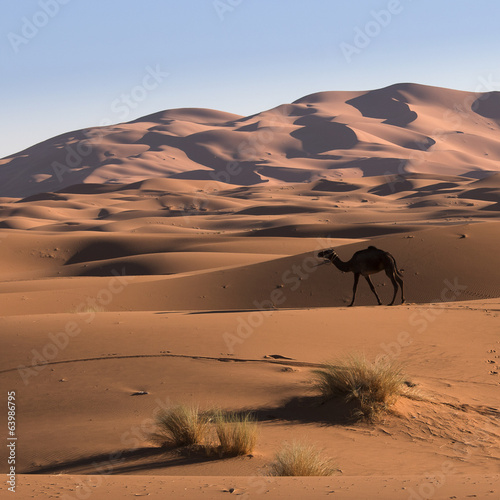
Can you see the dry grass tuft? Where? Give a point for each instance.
(374, 387)
(299, 459)
(181, 426)
(237, 433)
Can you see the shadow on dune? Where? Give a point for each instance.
(58, 159)
(492, 208)
(329, 230)
(371, 167)
(488, 105)
(202, 149)
(306, 410)
(91, 188)
(319, 135)
(98, 251)
(128, 461)
(278, 210)
(387, 104)
(310, 410)
(334, 186)
(246, 175)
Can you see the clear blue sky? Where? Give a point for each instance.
(70, 64)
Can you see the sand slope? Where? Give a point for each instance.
(399, 129)
(176, 255)
(100, 428)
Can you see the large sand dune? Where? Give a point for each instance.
(399, 129)
(176, 255)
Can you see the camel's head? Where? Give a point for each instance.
(328, 254)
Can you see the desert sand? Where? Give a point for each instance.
(172, 259)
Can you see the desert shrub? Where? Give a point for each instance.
(181, 425)
(237, 433)
(299, 459)
(374, 387)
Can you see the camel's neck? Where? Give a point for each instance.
(340, 264)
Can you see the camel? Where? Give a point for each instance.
(366, 262)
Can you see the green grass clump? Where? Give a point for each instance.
(374, 387)
(299, 459)
(181, 425)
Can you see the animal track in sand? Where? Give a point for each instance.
(494, 371)
(280, 360)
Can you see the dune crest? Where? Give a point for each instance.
(395, 130)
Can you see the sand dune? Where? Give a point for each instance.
(317, 136)
(175, 256)
(87, 389)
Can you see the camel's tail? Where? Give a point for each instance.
(399, 272)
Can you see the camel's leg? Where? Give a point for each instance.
(372, 288)
(390, 273)
(400, 281)
(356, 279)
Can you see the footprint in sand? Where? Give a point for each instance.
(492, 362)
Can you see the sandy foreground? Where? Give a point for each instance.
(352, 487)
(131, 283)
